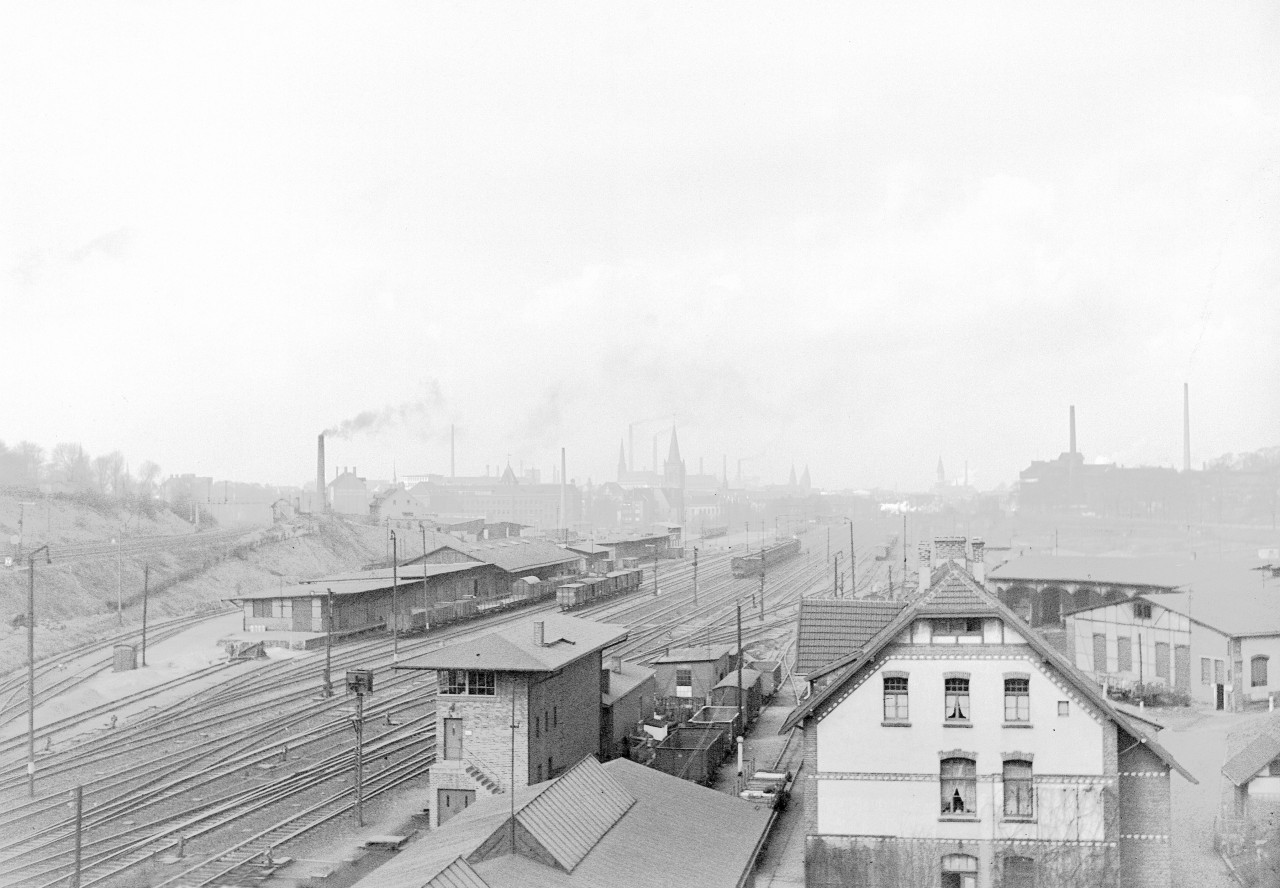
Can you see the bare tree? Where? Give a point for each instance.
(70, 465)
(148, 473)
(107, 469)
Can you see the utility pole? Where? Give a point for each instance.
(904, 552)
(146, 582)
(395, 588)
(655, 571)
(695, 576)
(77, 796)
(328, 649)
(31, 666)
(853, 563)
(828, 542)
(359, 758)
(835, 575)
(741, 726)
(761, 596)
(119, 589)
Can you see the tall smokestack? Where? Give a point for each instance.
(1073, 429)
(1186, 427)
(453, 469)
(564, 516)
(320, 504)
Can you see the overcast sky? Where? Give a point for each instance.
(858, 236)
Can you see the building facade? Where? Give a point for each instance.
(956, 748)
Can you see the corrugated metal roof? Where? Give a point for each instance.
(1256, 755)
(830, 628)
(458, 874)
(513, 649)
(574, 814)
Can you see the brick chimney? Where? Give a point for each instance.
(977, 566)
(539, 633)
(950, 549)
(926, 564)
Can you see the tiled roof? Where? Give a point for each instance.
(566, 639)
(830, 628)
(1261, 751)
(694, 835)
(951, 600)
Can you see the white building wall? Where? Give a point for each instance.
(1118, 621)
(1267, 646)
(871, 775)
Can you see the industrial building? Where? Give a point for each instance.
(619, 824)
(512, 558)
(686, 676)
(1250, 815)
(958, 748)
(543, 677)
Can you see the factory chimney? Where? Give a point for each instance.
(564, 515)
(321, 504)
(1073, 431)
(1186, 427)
(452, 453)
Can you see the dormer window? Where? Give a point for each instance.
(957, 627)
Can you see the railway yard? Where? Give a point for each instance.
(209, 777)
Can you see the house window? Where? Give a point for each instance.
(1019, 872)
(1206, 671)
(957, 699)
(959, 871)
(1142, 610)
(1064, 708)
(473, 682)
(1124, 654)
(1099, 652)
(968, 626)
(895, 698)
(262, 608)
(1018, 789)
(959, 777)
(684, 681)
(1162, 660)
(1017, 699)
(1258, 671)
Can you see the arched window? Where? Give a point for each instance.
(1258, 671)
(959, 871)
(959, 779)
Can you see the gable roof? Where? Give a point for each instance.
(829, 628)
(355, 584)
(623, 683)
(1256, 755)
(952, 591)
(566, 639)
(667, 825)
(512, 554)
(700, 654)
(1231, 610)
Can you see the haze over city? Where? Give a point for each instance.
(858, 239)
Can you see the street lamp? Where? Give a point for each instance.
(31, 665)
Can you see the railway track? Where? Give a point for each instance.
(175, 784)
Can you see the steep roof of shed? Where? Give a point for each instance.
(698, 654)
(623, 683)
(565, 639)
(1256, 755)
(513, 554)
(830, 628)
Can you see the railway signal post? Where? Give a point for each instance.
(695, 576)
(359, 682)
(328, 649)
(31, 666)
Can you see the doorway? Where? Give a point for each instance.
(452, 739)
(1219, 696)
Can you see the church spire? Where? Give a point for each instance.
(805, 483)
(622, 459)
(791, 482)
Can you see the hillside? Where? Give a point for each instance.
(76, 594)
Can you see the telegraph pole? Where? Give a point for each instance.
(761, 596)
(835, 575)
(119, 589)
(695, 576)
(741, 726)
(395, 588)
(853, 563)
(359, 759)
(328, 650)
(31, 666)
(146, 582)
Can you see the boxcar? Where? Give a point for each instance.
(691, 753)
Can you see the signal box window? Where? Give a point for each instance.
(895, 698)
(472, 682)
(262, 608)
(957, 699)
(684, 681)
(1017, 699)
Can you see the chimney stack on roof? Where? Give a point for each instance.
(539, 633)
(978, 566)
(925, 551)
(616, 664)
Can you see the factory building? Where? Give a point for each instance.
(957, 748)
(348, 494)
(544, 677)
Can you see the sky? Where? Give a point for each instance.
(858, 237)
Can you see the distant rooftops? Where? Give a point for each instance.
(564, 640)
(1158, 572)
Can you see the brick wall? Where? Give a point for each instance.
(810, 767)
(564, 718)
(1144, 799)
(627, 712)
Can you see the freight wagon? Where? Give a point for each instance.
(692, 753)
(749, 565)
(587, 590)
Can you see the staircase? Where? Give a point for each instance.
(483, 779)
